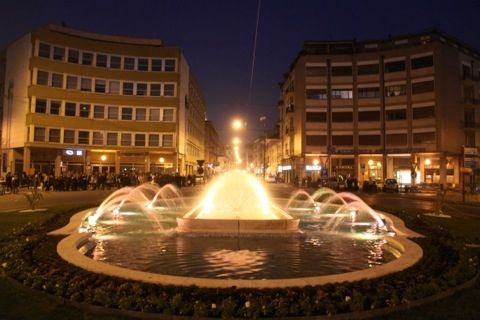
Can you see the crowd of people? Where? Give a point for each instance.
(73, 181)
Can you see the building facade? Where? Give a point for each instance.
(83, 102)
(406, 107)
(212, 147)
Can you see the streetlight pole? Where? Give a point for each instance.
(263, 119)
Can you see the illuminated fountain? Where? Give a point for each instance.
(237, 203)
(157, 235)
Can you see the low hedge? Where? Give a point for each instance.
(29, 256)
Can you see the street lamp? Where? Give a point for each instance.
(236, 141)
(237, 124)
(263, 119)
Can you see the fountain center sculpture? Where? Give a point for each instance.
(237, 203)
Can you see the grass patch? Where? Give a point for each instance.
(465, 228)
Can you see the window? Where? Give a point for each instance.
(141, 89)
(112, 113)
(97, 138)
(154, 114)
(316, 140)
(100, 86)
(153, 140)
(424, 112)
(342, 116)
(367, 69)
(140, 114)
(316, 71)
(126, 139)
(139, 139)
(68, 136)
(369, 116)
(114, 87)
(83, 137)
(58, 53)
(397, 139)
(365, 93)
(395, 90)
(156, 64)
(44, 50)
(128, 88)
(422, 87)
(170, 65)
(112, 138)
(84, 110)
(167, 115)
(424, 138)
(101, 60)
(86, 84)
(70, 109)
(155, 89)
(341, 93)
(128, 63)
(72, 82)
(341, 71)
(42, 77)
(369, 140)
(54, 135)
(73, 55)
(115, 62)
(87, 58)
(98, 112)
(142, 64)
(127, 113)
(394, 66)
(422, 62)
(316, 116)
(346, 140)
(316, 94)
(55, 107)
(39, 134)
(169, 90)
(57, 80)
(40, 106)
(396, 114)
(167, 140)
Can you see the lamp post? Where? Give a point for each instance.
(263, 119)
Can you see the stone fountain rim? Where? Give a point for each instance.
(68, 249)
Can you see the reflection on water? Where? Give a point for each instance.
(241, 258)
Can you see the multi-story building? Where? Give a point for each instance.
(212, 145)
(2, 87)
(86, 102)
(404, 107)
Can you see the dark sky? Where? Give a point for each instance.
(216, 36)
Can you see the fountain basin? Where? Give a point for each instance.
(235, 227)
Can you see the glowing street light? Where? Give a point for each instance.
(103, 157)
(237, 124)
(236, 141)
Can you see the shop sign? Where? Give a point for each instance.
(313, 167)
(284, 168)
(73, 152)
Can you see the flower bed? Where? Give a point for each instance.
(29, 256)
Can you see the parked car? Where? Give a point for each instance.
(351, 184)
(335, 183)
(369, 186)
(390, 185)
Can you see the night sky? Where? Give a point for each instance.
(216, 36)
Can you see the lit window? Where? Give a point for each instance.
(395, 90)
(342, 94)
(316, 94)
(84, 110)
